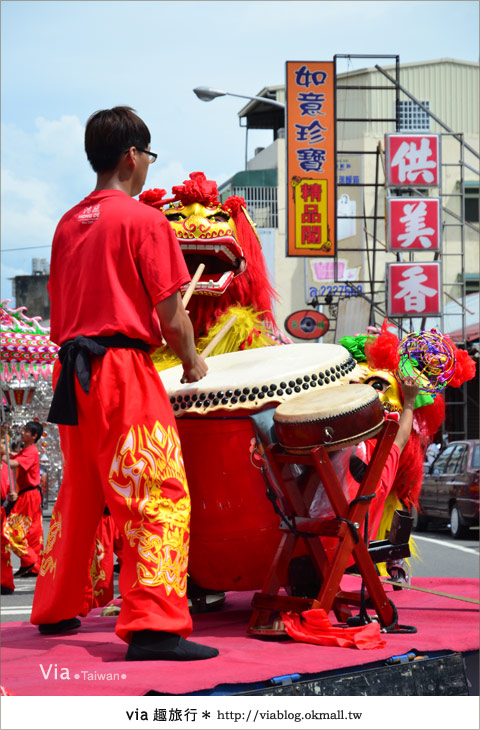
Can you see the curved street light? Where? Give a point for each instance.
(206, 93)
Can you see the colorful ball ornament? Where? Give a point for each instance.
(428, 357)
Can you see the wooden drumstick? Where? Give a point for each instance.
(190, 290)
(193, 283)
(214, 342)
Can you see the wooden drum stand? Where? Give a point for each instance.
(353, 416)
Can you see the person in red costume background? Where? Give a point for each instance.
(24, 522)
(8, 585)
(116, 271)
(378, 357)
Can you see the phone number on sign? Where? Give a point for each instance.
(340, 290)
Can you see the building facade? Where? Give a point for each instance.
(353, 292)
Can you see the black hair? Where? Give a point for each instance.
(35, 428)
(111, 132)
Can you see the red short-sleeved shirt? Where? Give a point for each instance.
(113, 260)
(5, 481)
(28, 471)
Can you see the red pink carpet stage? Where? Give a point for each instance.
(91, 662)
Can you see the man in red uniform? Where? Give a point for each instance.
(8, 586)
(115, 278)
(24, 522)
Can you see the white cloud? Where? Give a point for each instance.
(60, 137)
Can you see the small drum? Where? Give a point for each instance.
(334, 418)
(234, 531)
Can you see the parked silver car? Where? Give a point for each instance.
(450, 489)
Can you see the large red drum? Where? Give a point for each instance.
(234, 528)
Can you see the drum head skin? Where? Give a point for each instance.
(334, 418)
(252, 379)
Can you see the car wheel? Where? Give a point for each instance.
(457, 528)
(420, 522)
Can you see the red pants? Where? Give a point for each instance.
(124, 452)
(108, 540)
(6, 565)
(25, 529)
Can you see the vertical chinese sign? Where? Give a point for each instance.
(413, 224)
(311, 196)
(414, 289)
(412, 160)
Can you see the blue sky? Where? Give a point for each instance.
(63, 60)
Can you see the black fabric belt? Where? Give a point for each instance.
(29, 489)
(74, 356)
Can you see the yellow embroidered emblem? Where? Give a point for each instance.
(55, 531)
(143, 462)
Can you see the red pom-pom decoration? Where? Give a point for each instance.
(197, 190)
(382, 352)
(464, 368)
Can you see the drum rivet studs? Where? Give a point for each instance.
(314, 377)
(273, 386)
(270, 393)
(255, 390)
(280, 391)
(299, 381)
(264, 388)
(327, 434)
(229, 393)
(246, 391)
(251, 397)
(283, 385)
(237, 392)
(297, 389)
(333, 377)
(305, 386)
(261, 395)
(307, 378)
(327, 380)
(313, 384)
(215, 401)
(288, 391)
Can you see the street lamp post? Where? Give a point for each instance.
(206, 93)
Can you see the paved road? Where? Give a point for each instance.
(440, 554)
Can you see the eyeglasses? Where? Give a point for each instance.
(153, 155)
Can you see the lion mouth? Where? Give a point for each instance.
(222, 258)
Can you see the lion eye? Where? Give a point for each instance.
(219, 217)
(175, 216)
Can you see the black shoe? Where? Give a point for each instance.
(60, 627)
(150, 645)
(7, 591)
(30, 574)
(23, 570)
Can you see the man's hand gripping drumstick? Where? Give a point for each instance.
(177, 331)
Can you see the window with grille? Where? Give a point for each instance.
(261, 203)
(471, 204)
(412, 118)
